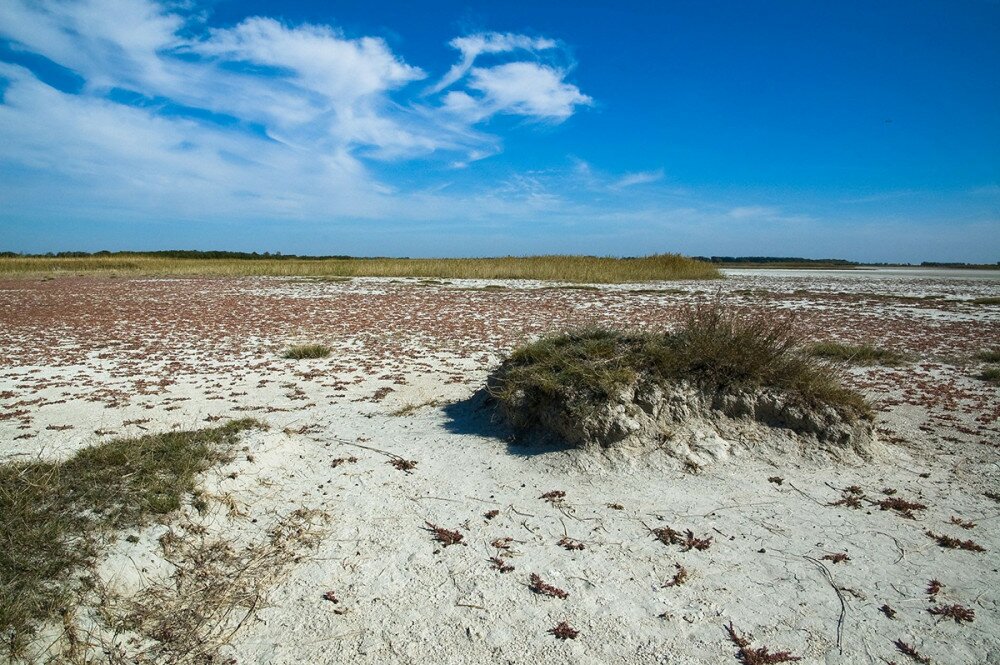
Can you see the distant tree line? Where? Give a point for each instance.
(938, 264)
(773, 259)
(175, 254)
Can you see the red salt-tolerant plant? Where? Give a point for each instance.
(955, 543)
(500, 565)
(959, 613)
(444, 536)
(838, 557)
(759, 656)
(679, 577)
(540, 587)
(564, 631)
(911, 651)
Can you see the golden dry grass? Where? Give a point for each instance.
(582, 269)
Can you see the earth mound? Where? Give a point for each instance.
(744, 377)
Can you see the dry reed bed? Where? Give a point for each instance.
(589, 269)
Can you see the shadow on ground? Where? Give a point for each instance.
(476, 416)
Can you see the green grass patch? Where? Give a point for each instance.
(55, 515)
(863, 354)
(716, 350)
(303, 351)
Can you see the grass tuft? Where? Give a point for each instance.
(303, 351)
(989, 356)
(991, 375)
(53, 515)
(863, 354)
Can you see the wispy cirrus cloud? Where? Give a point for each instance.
(638, 178)
(472, 46)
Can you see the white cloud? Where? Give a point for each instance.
(518, 88)
(322, 60)
(472, 46)
(638, 178)
(259, 120)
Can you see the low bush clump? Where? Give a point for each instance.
(720, 356)
(863, 354)
(53, 514)
(303, 351)
(991, 375)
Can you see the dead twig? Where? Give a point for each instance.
(840, 597)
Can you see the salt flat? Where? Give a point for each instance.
(87, 359)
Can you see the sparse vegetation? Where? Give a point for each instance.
(444, 536)
(991, 375)
(539, 586)
(989, 356)
(948, 542)
(54, 516)
(717, 350)
(305, 351)
(412, 407)
(564, 631)
(863, 354)
(581, 269)
(759, 656)
(959, 613)
(216, 587)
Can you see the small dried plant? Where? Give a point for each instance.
(959, 613)
(954, 543)
(500, 565)
(680, 576)
(837, 557)
(564, 631)
(406, 465)
(540, 587)
(554, 496)
(911, 651)
(444, 536)
(759, 656)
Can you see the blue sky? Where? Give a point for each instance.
(860, 130)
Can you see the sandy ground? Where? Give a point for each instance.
(87, 359)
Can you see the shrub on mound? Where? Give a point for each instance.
(602, 386)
